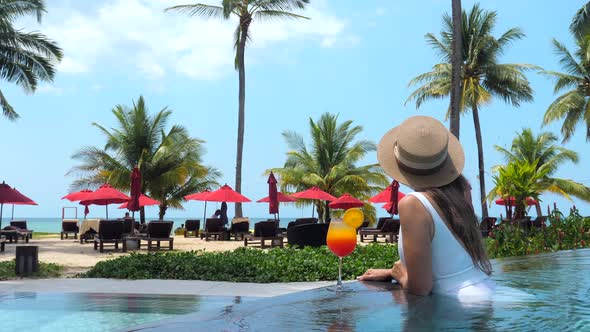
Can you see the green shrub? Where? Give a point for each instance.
(564, 233)
(247, 264)
(46, 270)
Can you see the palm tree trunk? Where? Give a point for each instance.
(457, 61)
(163, 208)
(482, 179)
(244, 24)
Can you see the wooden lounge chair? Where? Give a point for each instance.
(69, 226)
(302, 221)
(265, 231)
(213, 228)
(158, 231)
(192, 227)
(390, 228)
(312, 235)
(110, 231)
(486, 226)
(25, 233)
(239, 230)
(539, 221)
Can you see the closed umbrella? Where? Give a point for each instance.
(314, 193)
(11, 196)
(133, 204)
(273, 200)
(105, 195)
(346, 202)
(202, 196)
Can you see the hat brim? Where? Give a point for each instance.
(450, 170)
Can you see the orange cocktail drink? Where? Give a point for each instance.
(341, 238)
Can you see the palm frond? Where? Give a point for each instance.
(201, 10)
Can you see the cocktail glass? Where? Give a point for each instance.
(341, 240)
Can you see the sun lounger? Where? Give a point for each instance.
(308, 235)
(486, 226)
(239, 230)
(69, 226)
(110, 231)
(192, 227)
(213, 228)
(390, 228)
(23, 231)
(88, 229)
(302, 221)
(265, 231)
(158, 231)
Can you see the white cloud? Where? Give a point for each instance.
(139, 34)
(380, 11)
(51, 89)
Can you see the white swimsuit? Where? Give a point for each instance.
(453, 271)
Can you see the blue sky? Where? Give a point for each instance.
(353, 58)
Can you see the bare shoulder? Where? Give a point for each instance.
(412, 211)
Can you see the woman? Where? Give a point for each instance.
(439, 243)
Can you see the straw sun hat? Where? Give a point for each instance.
(421, 153)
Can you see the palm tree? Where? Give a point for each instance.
(482, 76)
(573, 105)
(169, 161)
(246, 11)
(580, 25)
(26, 57)
(545, 153)
(455, 109)
(330, 163)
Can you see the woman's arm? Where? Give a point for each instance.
(417, 228)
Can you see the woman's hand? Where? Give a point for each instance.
(376, 275)
(399, 273)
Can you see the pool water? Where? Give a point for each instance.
(539, 293)
(96, 312)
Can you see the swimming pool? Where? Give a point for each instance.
(539, 293)
(96, 312)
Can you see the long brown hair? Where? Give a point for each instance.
(460, 217)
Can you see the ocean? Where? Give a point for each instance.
(53, 225)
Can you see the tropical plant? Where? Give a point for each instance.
(580, 25)
(483, 77)
(27, 57)
(573, 106)
(170, 162)
(246, 11)
(329, 163)
(545, 152)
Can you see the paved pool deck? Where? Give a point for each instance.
(160, 287)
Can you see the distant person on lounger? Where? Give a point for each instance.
(440, 244)
(216, 215)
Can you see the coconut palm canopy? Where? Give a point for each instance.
(547, 155)
(170, 161)
(330, 163)
(27, 57)
(246, 12)
(483, 76)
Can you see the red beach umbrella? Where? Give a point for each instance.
(12, 196)
(105, 195)
(282, 198)
(385, 196)
(228, 195)
(78, 195)
(314, 193)
(29, 202)
(273, 200)
(346, 202)
(134, 204)
(143, 201)
(202, 196)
